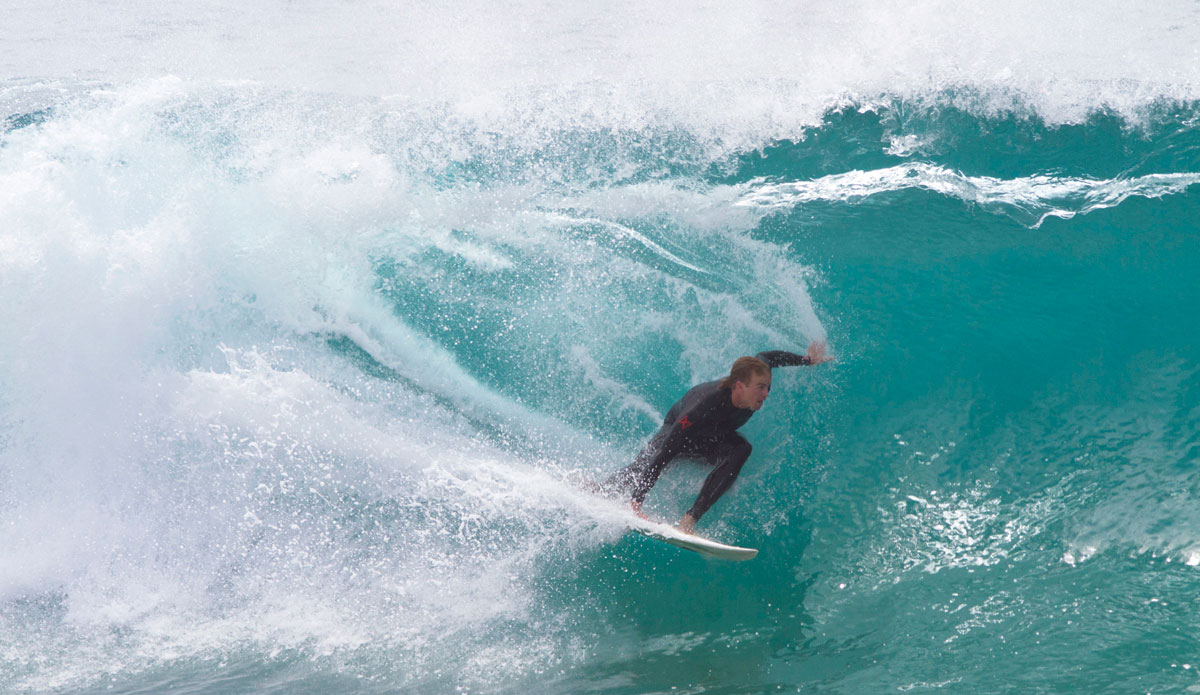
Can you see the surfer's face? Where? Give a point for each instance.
(751, 394)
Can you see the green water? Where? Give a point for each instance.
(290, 409)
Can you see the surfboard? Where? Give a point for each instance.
(661, 531)
(687, 541)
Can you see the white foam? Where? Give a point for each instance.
(232, 534)
(182, 453)
(739, 74)
(1029, 199)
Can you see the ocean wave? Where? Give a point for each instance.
(769, 72)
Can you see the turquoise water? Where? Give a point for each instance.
(302, 349)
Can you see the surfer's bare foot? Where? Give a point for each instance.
(687, 524)
(637, 509)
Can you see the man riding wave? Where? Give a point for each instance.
(703, 425)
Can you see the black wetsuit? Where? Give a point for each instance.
(703, 424)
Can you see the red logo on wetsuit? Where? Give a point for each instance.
(685, 422)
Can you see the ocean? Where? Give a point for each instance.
(314, 313)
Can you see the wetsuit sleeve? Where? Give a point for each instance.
(782, 358)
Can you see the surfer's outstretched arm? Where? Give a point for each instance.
(782, 358)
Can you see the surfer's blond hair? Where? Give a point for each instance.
(744, 369)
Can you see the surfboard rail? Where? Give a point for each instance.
(694, 543)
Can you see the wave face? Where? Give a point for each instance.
(312, 314)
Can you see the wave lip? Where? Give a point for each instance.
(1029, 199)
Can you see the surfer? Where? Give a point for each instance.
(703, 425)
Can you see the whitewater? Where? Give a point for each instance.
(313, 314)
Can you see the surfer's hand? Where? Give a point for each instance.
(637, 509)
(687, 524)
(816, 352)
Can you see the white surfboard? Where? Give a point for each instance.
(696, 544)
(660, 531)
